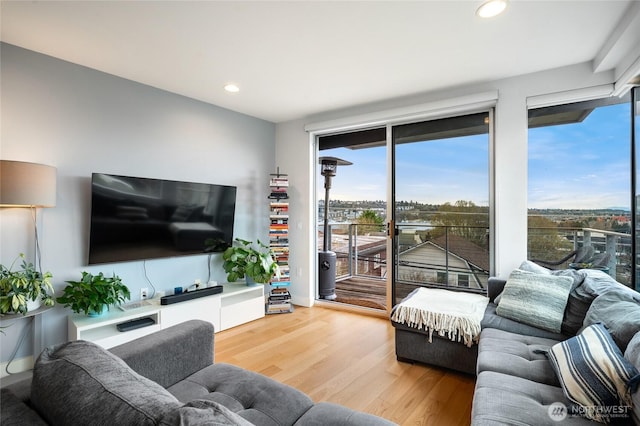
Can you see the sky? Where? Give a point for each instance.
(576, 166)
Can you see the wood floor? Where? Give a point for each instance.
(348, 358)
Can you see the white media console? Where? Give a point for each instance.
(237, 304)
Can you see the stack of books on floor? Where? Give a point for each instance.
(279, 301)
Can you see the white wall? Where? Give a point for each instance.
(83, 121)
(509, 162)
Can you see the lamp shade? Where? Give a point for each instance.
(27, 184)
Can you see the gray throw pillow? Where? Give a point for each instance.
(619, 311)
(80, 383)
(576, 308)
(530, 266)
(535, 299)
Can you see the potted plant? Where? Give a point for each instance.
(255, 262)
(24, 286)
(93, 293)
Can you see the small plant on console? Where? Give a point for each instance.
(93, 293)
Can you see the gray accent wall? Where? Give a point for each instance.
(82, 121)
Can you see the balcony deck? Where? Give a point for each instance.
(362, 291)
(368, 292)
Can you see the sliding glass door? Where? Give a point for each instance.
(441, 181)
(356, 214)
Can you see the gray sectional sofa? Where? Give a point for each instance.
(165, 378)
(517, 383)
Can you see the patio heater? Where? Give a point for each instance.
(326, 258)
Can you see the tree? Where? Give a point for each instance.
(369, 221)
(545, 241)
(465, 219)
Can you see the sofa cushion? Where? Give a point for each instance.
(535, 299)
(516, 355)
(80, 383)
(619, 311)
(632, 354)
(15, 412)
(326, 413)
(248, 394)
(503, 399)
(203, 412)
(593, 372)
(594, 284)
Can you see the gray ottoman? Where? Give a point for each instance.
(413, 345)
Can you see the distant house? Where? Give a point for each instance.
(450, 260)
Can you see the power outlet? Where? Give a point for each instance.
(144, 293)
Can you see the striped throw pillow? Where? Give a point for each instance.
(594, 374)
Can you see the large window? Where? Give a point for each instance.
(579, 186)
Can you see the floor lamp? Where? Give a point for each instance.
(327, 258)
(28, 185)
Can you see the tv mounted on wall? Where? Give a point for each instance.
(134, 218)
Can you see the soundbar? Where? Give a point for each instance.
(175, 298)
(134, 324)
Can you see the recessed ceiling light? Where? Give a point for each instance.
(491, 8)
(231, 88)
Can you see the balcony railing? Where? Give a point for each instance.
(458, 256)
(425, 255)
(555, 243)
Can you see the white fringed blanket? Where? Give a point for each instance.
(452, 313)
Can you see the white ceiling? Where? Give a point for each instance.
(297, 58)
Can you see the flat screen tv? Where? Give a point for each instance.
(135, 218)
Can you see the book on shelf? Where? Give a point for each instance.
(280, 311)
(283, 307)
(277, 233)
(279, 181)
(278, 195)
(279, 297)
(282, 283)
(279, 207)
(279, 242)
(279, 302)
(279, 215)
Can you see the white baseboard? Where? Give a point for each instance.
(18, 365)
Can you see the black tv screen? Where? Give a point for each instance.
(135, 218)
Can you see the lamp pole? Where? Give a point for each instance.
(327, 258)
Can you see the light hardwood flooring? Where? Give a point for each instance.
(348, 358)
